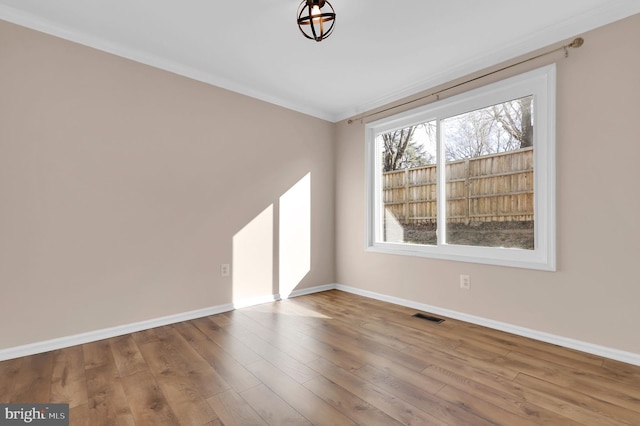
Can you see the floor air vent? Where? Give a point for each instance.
(430, 318)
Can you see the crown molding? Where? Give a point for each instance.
(46, 26)
(594, 18)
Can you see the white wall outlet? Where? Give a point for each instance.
(225, 270)
(465, 282)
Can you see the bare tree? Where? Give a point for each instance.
(469, 135)
(516, 118)
(494, 129)
(416, 156)
(395, 147)
(498, 128)
(405, 149)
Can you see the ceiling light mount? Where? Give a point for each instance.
(316, 19)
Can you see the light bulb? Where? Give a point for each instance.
(315, 13)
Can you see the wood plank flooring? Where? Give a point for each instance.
(330, 358)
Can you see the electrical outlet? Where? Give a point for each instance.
(225, 270)
(465, 282)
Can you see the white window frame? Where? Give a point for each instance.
(541, 83)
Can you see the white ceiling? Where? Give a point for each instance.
(380, 50)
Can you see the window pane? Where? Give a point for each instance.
(486, 144)
(489, 175)
(409, 176)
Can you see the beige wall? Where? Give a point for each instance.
(122, 188)
(595, 294)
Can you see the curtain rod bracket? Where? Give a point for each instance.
(577, 42)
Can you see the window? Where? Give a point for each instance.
(469, 178)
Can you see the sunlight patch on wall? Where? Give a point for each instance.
(253, 261)
(393, 230)
(295, 235)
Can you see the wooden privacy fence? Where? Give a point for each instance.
(491, 188)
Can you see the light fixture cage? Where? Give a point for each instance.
(316, 19)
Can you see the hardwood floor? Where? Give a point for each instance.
(330, 358)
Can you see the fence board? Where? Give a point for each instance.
(492, 188)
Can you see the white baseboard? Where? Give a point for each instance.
(318, 289)
(239, 304)
(274, 297)
(603, 351)
(92, 336)
(105, 333)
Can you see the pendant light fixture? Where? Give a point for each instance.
(316, 19)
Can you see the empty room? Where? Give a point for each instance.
(319, 212)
